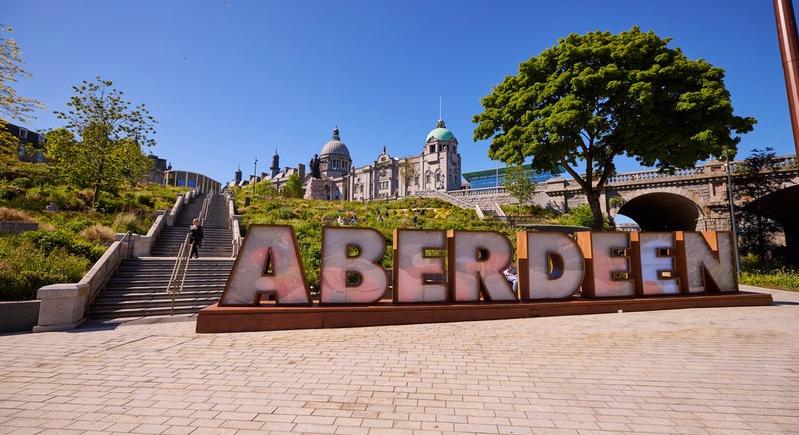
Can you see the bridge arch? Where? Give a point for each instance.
(670, 209)
(781, 206)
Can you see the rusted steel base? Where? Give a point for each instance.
(245, 319)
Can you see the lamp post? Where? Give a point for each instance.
(731, 207)
(254, 176)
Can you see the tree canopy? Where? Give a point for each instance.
(519, 184)
(752, 182)
(12, 105)
(596, 96)
(293, 187)
(101, 145)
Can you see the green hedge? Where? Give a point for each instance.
(25, 267)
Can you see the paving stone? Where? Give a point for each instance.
(697, 371)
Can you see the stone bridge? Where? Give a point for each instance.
(689, 199)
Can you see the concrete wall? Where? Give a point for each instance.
(18, 316)
(14, 227)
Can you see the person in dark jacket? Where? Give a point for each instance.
(195, 238)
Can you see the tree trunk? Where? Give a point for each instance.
(596, 209)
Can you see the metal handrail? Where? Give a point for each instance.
(178, 276)
(204, 209)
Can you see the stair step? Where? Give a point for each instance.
(117, 299)
(138, 288)
(123, 313)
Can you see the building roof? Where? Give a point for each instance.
(335, 146)
(441, 132)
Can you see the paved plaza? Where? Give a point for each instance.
(719, 370)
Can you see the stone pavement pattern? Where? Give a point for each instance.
(721, 370)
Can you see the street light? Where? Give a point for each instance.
(731, 209)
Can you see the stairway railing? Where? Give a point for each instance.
(178, 277)
(204, 209)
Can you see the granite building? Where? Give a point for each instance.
(437, 166)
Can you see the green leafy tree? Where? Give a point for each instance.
(752, 182)
(265, 188)
(101, 146)
(594, 97)
(519, 184)
(12, 105)
(293, 187)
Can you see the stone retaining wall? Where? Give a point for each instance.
(16, 227)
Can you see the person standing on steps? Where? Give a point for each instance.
(195, 238)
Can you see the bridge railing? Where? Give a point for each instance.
(477, 192)
(783, 163)
(650, 175)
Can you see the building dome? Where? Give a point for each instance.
(335, 146)
(440, 133)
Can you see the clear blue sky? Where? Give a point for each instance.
(230, 80)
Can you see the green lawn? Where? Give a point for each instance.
(777, 279)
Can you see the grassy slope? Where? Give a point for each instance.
(62, 250)
(308, 218)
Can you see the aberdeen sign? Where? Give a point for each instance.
(441, 276)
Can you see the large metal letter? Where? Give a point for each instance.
(477, 259)
(551, 265)
(707, 262)
(351, 270)
(654, 265)
(606, 265)
(417, 276)
(267, 268)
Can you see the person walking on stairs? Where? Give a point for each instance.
(195, 238)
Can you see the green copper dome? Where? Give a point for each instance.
(441, 133)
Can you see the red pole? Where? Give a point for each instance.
(789, 51)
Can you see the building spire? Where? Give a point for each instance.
(336, 135)
(439, 108)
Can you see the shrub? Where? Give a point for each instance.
(23, 182)
(86, 195)
(78, 224)
(145, 199)
(24, 268)
(10, 214)
(582, 216)
(8, 192)
(87, 250)
(107, 203)
(36, 198)
(49, 240)
(98, 233)
(125, 222)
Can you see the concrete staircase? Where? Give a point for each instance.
(138, 287)
(217, 236)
